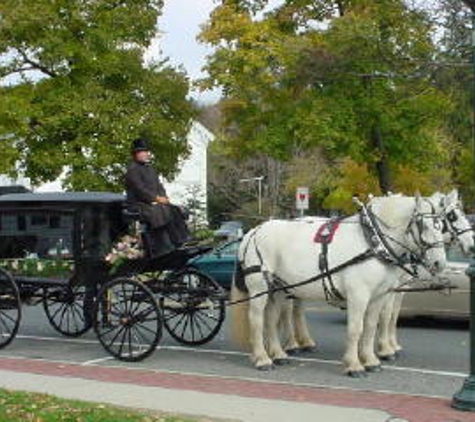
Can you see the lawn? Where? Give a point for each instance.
(23, 407)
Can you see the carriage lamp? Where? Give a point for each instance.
(465, 398)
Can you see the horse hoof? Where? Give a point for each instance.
(308, 349)
(356, 374)
(265, 368)
(292, 352)
(281, 361)
(388, 358)
(373, 368)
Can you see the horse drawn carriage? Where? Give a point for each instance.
(53, 251)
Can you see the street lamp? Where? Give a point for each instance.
(257, 179)
(465, 398)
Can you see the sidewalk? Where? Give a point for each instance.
(224, 398)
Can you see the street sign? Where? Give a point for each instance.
(302, 198)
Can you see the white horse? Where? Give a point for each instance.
(456, 229)
(281, 251)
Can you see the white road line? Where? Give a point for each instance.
(238, 353)
(95, 361)
(61, 339)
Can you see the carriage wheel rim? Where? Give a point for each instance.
(121, 326)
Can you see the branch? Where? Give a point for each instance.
(37, 65)
(13, 71)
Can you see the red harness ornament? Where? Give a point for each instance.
(326, 232)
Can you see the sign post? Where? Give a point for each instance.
(302, 199)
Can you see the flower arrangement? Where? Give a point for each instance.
(127, 247)
(40, 267)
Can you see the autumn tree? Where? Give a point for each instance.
(352, 78)
(75, 90)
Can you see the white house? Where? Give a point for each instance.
(188, 188)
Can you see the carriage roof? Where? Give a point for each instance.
(71, 199)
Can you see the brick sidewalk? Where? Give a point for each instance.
(410, 408)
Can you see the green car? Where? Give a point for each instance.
(219, 264)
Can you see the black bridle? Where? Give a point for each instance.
(410, 258)
(417, 221)
(449, 218)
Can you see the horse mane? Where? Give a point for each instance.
(394, 211)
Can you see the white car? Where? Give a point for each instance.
(453, 303)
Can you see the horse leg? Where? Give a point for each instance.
(367, 353)
(393, 324)
(287, 327)
(259, 357)
(385, 350)
(273, 310)
(305, 341)
(357, 303)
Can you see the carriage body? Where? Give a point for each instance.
(53, 250)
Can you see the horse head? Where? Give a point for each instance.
(456, 225)
(425, 229)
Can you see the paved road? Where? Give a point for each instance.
(435, 364)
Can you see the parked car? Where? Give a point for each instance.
(230, 230)
(454, 303)
(220, 263)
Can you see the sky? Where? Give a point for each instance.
(179, 26)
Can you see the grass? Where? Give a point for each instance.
(33, 407)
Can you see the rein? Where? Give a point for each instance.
(386, 253)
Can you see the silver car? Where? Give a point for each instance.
(454, 303)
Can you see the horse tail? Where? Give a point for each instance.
(240, 328)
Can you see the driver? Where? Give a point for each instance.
(166, 228)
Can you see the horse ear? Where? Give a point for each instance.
(418, 198)
(453, 196)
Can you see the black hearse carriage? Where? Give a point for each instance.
(54, 250)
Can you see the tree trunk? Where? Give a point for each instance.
(382, 166)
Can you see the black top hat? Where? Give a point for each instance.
(139, 144)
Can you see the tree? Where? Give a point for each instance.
(349, 77)
(75, 91)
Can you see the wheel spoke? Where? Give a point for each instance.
(185, 325)
(123, 340)
(200, 317)
(183, 316)
(144, 327)
(203, 314)
(122, 328)
(2, 313)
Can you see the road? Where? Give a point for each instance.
(435, 363)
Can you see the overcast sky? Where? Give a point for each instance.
(180, 24)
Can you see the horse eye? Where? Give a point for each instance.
(452, 216)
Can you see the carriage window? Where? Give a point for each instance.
(21, 222)
(55, 222)
(44, 235)
(38, 220)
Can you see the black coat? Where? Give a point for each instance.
(143, 186)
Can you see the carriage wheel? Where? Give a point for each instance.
(66, 311)
(10, 308)
(128, 320)
(193, 307)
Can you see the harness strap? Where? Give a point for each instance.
(368, 254)
(332, 294)
(251, 270)
(374, 236)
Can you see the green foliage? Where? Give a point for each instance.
(324, 74)
(76, 91)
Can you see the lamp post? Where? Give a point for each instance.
(465, 398)
(257, 179)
